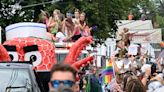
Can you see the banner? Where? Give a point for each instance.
(146, 36)
(133, 49)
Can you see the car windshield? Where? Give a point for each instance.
(60, 57)
(15, 80)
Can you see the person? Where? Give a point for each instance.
(121, 49)
(125, 36)
(132, 59)
(93, 84)
(60, 36)
(69, 15)
(134, 85)
(130, 16)
(81, 81)
(155, 83)
(116, 84)
(143, 17)
(62, 75)
(147, 74)
(64, 89)
(72, 30)
(54, 22)
(67, 24)
(83, 25)
(77, 16)
(44, 17)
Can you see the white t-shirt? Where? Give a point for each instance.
(60, 36)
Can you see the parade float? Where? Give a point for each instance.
(28, 42)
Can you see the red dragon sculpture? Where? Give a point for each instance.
(40, 51)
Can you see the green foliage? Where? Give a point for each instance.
(102, 13)
(160, 21)
(9, 15)
(160, 14)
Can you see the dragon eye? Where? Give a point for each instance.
(12, 52)
(32, 54)
(13, 55)
(34, 57)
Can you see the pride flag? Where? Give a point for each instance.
(108, 73)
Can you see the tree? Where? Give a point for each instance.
(103, 13)
(11, 12)
(160, 15)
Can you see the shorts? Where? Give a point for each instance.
(76, 37)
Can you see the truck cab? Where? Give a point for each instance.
(62, 49)
(19, 77)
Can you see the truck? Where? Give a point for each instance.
(19, 77)
(28, 41)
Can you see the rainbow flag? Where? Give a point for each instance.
(107, 78)
(108, 73)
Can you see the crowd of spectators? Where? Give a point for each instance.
(132, 72)
(66, 28)
(138, 72)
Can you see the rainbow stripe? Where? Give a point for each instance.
(107, 73)
(107, 78)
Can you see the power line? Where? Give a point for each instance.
(43, 3)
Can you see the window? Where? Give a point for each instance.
(17, 80)
(60, 57)
(82, 55)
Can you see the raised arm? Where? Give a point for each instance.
(51, 22)
(116, 69)
(146, 76)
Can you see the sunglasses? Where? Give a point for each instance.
(132, 55)
(66, 83)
